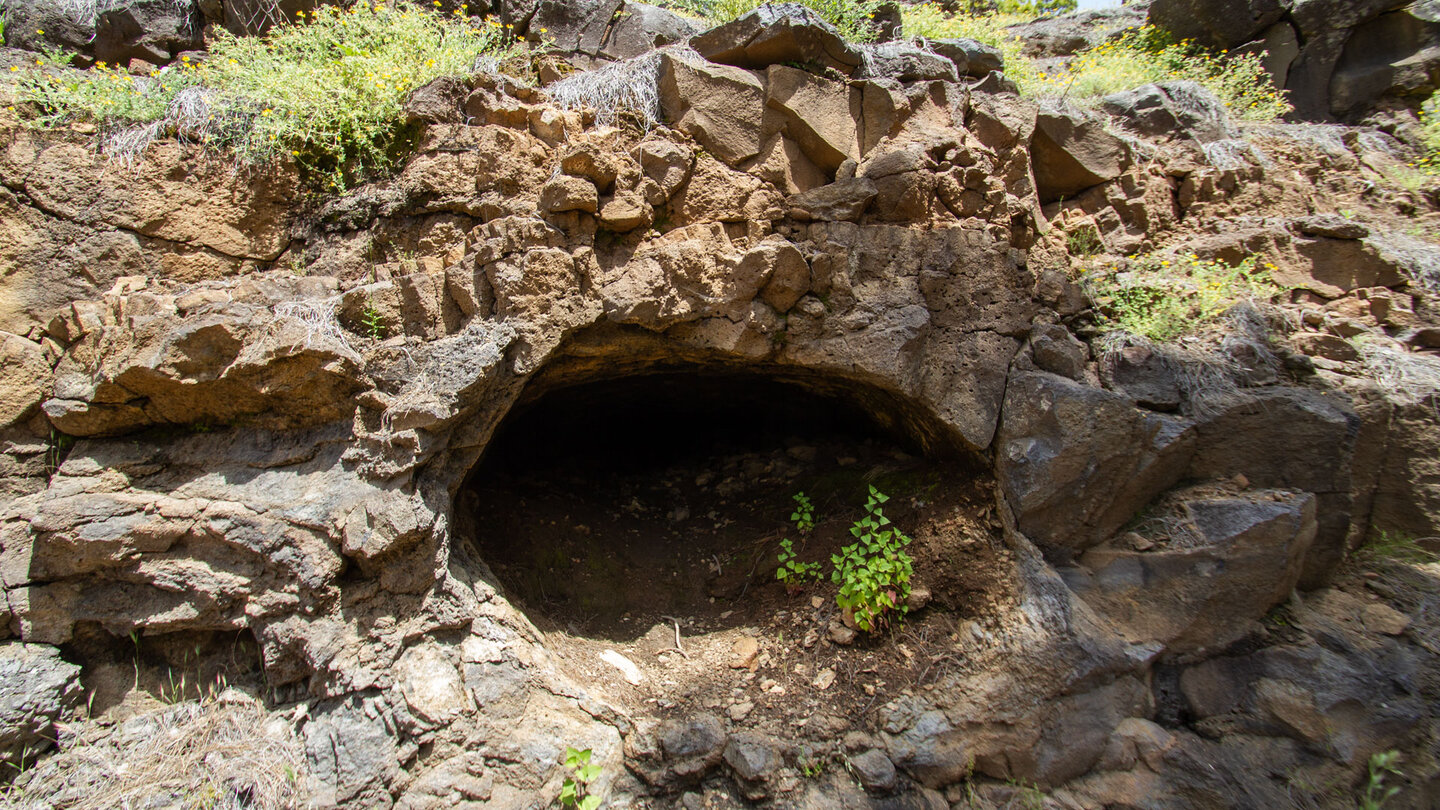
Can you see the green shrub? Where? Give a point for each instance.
(1163, 298)
(873, 572)
(851, 17)
(1141, 55)
(1149, 54)
(1379, 768)
(1429, 115)
(1036, 8)
(326, 91)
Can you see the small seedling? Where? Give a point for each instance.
(575, 792)
(1380, 766)
(804, 515)
(56, 450)
(1083, 241)
(873, 572)
(793, 572)
(810, 767)
(372, 321)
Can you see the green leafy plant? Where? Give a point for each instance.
(792, 572)
(1381, 766)
(1163, 298)
(851, 17)
(810, 767)
(326, 91)
(1036, 8)
(804, 515)
(575, 792)
(874, 572)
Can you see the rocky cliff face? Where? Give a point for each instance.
(231, 410)
(1339, 60)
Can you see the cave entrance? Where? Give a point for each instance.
(605, 507)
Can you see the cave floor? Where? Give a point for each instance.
(674, 569)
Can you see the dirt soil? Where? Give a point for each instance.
(673, 566)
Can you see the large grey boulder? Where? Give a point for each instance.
(1217, 23)
(841, 201)
(1066, 34)
(153, 30)
(818, 114)
(720, 106)
(1204, 577)
(36, 687)
(575, 25)
(971, 58)
(1172, 110)
(1395, 54)
(777, 33)
(1071, 151)
(24, 377)
(608, 29)
(1336, 58)
(1340, 691)
(692, 747)
(351, 748)
(905, 62)
(1076, 463)
(215, 367)
(641, 27)
(1319, 435)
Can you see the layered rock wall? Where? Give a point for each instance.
(227, 411)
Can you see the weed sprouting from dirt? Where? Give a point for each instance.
(575, 792)
(874, 572)
(1396, 546)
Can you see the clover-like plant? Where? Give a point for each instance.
(874, 571)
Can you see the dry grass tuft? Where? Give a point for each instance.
(223, 753)
(630, 87)
(1405, 376)
(317, 316)
(1232, 154)
(1213, 368)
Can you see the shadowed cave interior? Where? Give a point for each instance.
(604, 507)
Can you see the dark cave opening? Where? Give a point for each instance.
(647, 422)
(603, 507)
